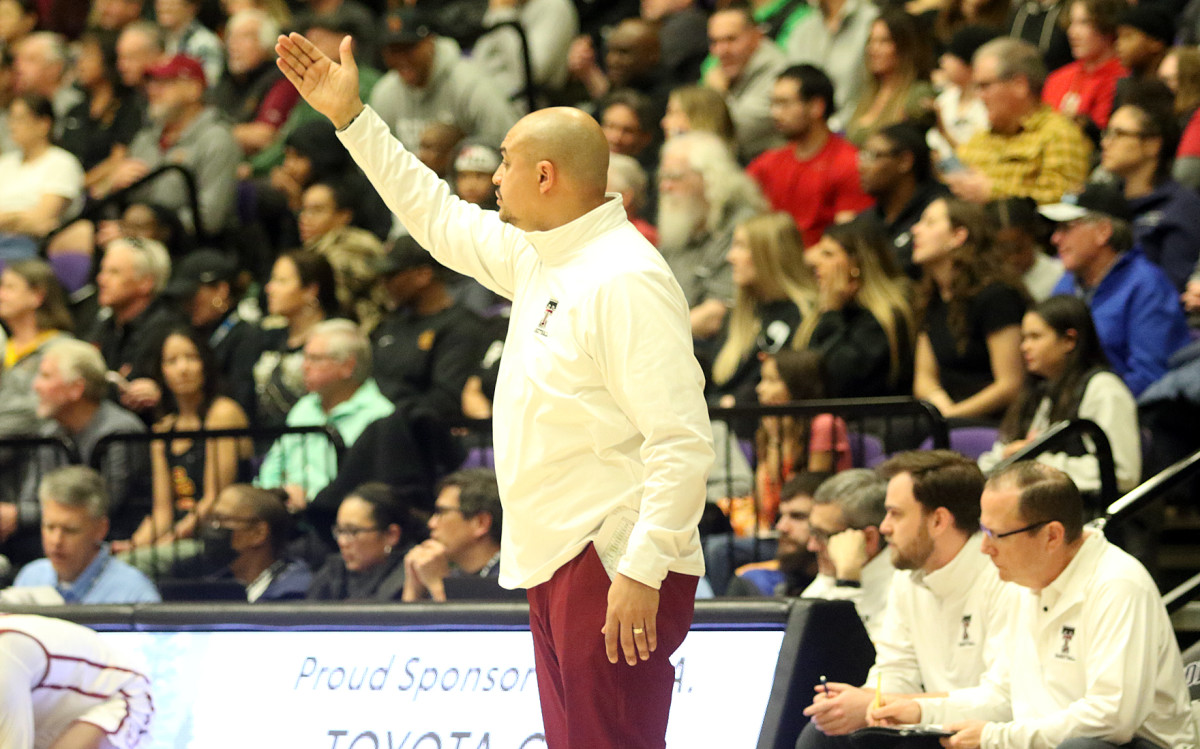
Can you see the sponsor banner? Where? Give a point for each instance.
(415, 690)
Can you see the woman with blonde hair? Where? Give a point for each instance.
(863, 328)
(773, 292)
(897, 61)
(699, 108)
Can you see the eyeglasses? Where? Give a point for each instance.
(351, 531)
(1116, 132)
(869, 156)
(993, 535)
(225, 521)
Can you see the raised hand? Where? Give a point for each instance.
(330, 88)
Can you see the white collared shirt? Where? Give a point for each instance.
(943, 629)
(599, 401)
(1092, 655)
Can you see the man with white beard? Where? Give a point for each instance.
(703, 195)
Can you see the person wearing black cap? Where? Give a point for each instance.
(1136, 309)
(426, 347)
(1144, 35)
(429, 79)
(204, 285)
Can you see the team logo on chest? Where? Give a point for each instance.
(966, 631)
(1068, 634)
(550, 307)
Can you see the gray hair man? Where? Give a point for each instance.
(844, 534)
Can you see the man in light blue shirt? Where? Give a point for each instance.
(78, 563)
(341, 394)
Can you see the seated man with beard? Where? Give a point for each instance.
(703, 195)
(794, 566)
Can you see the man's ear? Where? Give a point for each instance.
(481, 524)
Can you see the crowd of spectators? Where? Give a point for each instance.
(857, 199)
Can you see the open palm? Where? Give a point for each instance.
(329, 87)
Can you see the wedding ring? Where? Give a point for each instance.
(638, 630)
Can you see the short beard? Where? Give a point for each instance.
(923, 548)
(679, 219)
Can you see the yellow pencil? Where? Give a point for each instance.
(878, 690)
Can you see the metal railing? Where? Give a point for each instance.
(1065, 436)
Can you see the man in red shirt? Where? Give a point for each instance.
(1084, 89)
(815, 176)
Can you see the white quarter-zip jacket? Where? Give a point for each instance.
(599, 406)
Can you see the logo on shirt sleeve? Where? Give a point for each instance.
(550, 307)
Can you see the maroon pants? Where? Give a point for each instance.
(587, 702)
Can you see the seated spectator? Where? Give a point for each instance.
(21, 18)
(1021, 242)
(98, 130)
(369, 563)
(833, 39)
(139, 48)
(626, 176)
(341, 394)
(898, 64)
(252, 93)
(78, 563)
(960, 112)
(428, 79)
(1103, 670)
(631, 59)
(187, 474)
(1067, 377)
(1145, 33)
(1085, 89)
(206, 287)
(1138, 147)
(703, 195)
(327, 215)
(628, 121)
(968, 361)
(464, 536)
(548, 26)
(1134, 306)
(746, 69)
(33, 308)
(1042, 25)
(427, 344)
(246, 536)
(42, 67)
(699, 108)
(815, 176)
(437, 147)
(301, 292)
(133, 274)
(1180, 71)
(786, 445)
(852, 559)
(183, 130)
(113, 15)
(947, 606)
(71, 386)
(862, 326)
(325, 31)
(773, 293)
(473, 169)
(183, 34)
(39, 181)
(794, 566)
(1029, 149)
(894, 168)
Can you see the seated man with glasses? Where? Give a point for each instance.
(246, 538)
(1028, 150)
(1089, 659)
(464, 538)
(844, 534)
